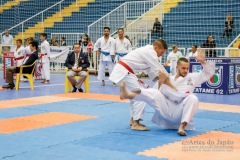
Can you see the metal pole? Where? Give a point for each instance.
(60, 6)
(42, 19)
(22, 31)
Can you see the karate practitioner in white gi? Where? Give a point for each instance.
(122, 45)
(45, 51)
(106, 54)
(144, 58)
(168, 113)
(19, 53)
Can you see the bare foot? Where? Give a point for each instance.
(137, 126)
(103, 83)
(131, 123)
(123, 91)
(181, 129)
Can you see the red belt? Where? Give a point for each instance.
(131, 71)
(19, 58)
(126, 66)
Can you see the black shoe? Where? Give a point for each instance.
(74, 89)
(80, 90)
(9, 86)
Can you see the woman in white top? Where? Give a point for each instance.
(174, 54)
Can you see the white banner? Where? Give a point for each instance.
(59, 54)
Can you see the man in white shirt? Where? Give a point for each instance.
(106, 54)
(45, 54)
(7, 39)
(174, 109)
(194, 52)
(122, 45)
(144, 58)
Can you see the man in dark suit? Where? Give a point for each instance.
(11, 70)
(77, 63)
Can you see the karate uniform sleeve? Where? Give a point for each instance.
(129, 47)
(47, 47)
(154, 64)
(96, 45)
(206, 73)
(112, 47)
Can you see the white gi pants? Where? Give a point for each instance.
(167, 113)
(101, 69)
(136, 106)
(45, 73)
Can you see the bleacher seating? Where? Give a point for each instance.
(193, 20)
(79, 21)
(27, 9)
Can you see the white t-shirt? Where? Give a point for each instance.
(191, 54)
(172, 55)
(7, 40)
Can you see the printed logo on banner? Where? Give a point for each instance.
(196, 68)
(237, 75)
(38, 70)
(8, 62)
(216, 80)
(231, 77)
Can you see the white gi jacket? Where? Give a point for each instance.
(45, 49)
(144, 58)
(19, 53)
(122, 48)
(107, 48)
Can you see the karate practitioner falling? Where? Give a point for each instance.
(144, 58)
(174, 109)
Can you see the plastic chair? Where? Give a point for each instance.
(29, 76)
(68, 86)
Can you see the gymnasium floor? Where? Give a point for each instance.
(46, 124)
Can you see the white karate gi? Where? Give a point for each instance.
(172, 58)
(122, 48)
(107, 50)
(144, 58)
(19, 53)
(27, 52)
(45, 49)
(169, 114)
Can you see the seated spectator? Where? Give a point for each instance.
(63, 41)
(157, 28)
(77, 63)
(11, 70)
(84, 45)
(174, 54)
(194, 52)
(228, 25)
(54, 41)
(210, 43)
